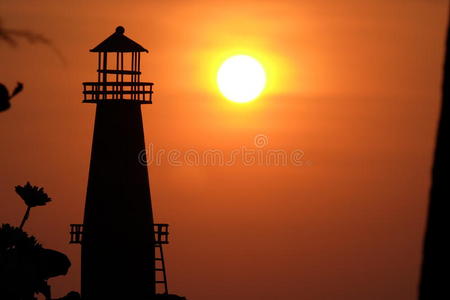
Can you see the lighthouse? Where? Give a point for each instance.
(118, 236)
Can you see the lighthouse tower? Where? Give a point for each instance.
(117, 237)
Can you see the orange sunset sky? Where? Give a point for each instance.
(353, 85)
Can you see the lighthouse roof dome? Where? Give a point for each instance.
(118, 42)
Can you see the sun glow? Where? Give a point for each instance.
(241, 78)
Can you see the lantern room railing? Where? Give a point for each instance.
(141, 92)
(117, 82)
(160, 231)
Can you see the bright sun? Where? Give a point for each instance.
(241, 78)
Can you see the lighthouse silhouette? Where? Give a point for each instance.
(118, 236)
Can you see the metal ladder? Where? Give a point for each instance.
(161, 232)
(160, 268)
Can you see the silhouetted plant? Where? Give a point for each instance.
(32, 196)
(14, 238)
(11, 37)
(25, 266)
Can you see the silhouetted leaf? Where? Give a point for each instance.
(18, 89)
(14, 238)
(4, 98)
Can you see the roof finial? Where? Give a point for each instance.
(120, 30)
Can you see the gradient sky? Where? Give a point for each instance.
(352, 84)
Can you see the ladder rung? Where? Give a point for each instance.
(158, 258)
(160, 281)
(159, 269)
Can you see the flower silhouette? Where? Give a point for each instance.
(32, 196)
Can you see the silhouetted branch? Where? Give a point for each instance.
(12, 36)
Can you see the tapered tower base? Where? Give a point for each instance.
(118, 253)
